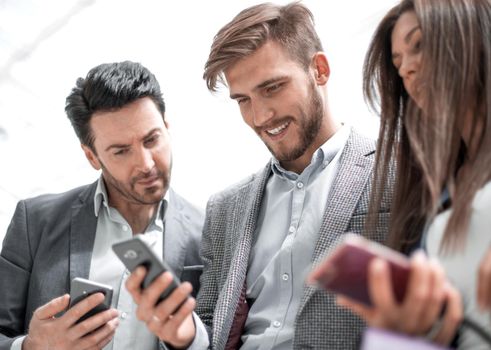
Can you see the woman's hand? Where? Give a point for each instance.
(427, 294)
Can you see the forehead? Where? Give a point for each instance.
(404, 25)
(133, 120)
(268, 61)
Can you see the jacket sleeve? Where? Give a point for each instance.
(15, 271)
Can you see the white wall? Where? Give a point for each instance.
(213, 148)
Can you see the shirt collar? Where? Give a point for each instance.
(100, 199)
(323, 155)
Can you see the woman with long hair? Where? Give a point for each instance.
(428, 69)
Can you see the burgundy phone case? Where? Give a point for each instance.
(345, 270)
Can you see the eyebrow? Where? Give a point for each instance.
(261, 86)
(122, 145)
(410, 34)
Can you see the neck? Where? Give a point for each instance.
(137, 215)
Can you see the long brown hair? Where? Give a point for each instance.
(455, 79)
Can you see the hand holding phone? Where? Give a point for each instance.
(81, 288)
(135, 252)
(345, 270)
(51, 327)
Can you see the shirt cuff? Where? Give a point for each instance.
(17, 344)
(200, 341)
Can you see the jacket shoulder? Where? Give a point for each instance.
(244, 186)
(361, 143)
(51, 204)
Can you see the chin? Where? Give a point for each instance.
(153, 195)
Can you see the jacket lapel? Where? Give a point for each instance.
(175, 236)
(82, 233)
(247, 205)
(354, 172)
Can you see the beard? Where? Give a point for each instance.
(310, 121)
(150, 196)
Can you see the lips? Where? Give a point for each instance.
(148, 180)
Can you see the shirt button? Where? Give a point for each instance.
(125, 228)
(276, 324)
(291, 229)
(285, 277)
(300, 185)
(124, 315)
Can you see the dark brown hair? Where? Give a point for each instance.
(291, 26)
(455, 79)
(109, 86)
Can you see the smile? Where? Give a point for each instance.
(278, 129)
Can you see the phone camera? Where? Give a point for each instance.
(131, 254)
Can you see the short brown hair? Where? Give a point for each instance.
(291, 26)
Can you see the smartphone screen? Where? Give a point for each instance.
(135, 252)
(345, 270)
(82, 288)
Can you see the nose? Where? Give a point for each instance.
(409, 67)
(144, 160)
(262, 113)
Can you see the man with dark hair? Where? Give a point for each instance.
(117, 112)
(262, 236)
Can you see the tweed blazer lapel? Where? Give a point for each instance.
(354, 173)
(240, 235)
(82, 233)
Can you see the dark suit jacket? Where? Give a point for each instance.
(228, 234)
(50, 240)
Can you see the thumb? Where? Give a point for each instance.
(54, 307)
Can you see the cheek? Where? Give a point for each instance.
(247, 116)
(119, 172)
(162, 157)
(408, 85)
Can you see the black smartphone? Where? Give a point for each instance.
(81, 288)
(135, 252)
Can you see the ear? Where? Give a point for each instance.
(321, 68)
(91, 157)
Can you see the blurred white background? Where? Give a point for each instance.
(45, 45)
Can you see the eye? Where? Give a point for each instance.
(417, 46)
(273, 88)
(151, 140)
(121, 152)
(242, 100)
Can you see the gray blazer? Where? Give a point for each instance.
(49, 242)
(229, 228)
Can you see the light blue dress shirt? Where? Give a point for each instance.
(105, 267)
(287, 230)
